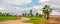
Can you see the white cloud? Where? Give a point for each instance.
(55, 4)
(34, 8)
(5, 6)
(21, 10)
(17, 2)
(37, 7)
(40, 12)
(55, 13)
(43, 1)
(2, 8)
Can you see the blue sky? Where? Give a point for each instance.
(23, 6)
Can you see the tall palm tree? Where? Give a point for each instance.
(40, 15)
(47, 10)
(0, 13)
(44, 11)
(31, 13)
(28, 15)
(22, 14)
(25, 14)
(7, 14)
(37, 14)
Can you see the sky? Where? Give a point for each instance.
(23, 6)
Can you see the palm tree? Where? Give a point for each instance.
(47, 10)
(31, 13)
(22, 14)
(36, 14)
(25, 14)
(0, 13)
(28, 15)
(7, 14)
(44, 11)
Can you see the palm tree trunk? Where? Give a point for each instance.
(47, 16)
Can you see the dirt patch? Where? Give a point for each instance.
(52, 20)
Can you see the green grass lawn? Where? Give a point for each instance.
(36, 20)
(6, 18)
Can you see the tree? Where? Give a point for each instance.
(46, 11)
(7, 14)
(23, 14)
(28, 15)
(31, 13)
(40, 15)
(37, 14)
(0, 13)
